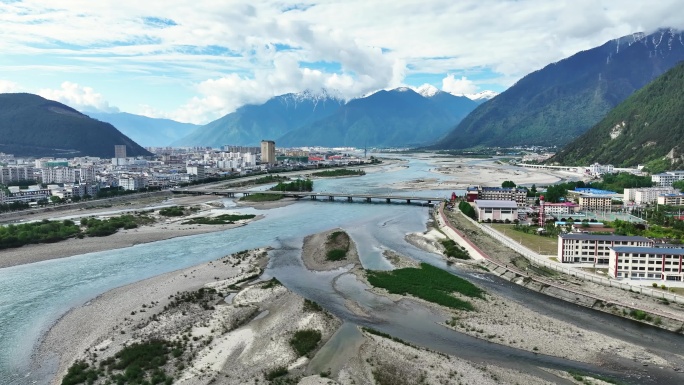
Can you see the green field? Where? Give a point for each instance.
(429, 283)
(534, 242)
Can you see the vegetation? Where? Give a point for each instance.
(259, 197)
(296, 185)
(453, 250)
(103, 227)
(275, 373)
(427, 282)
(224, 219)
(648, 125)
(337, 246)
(273, 282)
(385, 335)
(508, 184)
(311, 306)
(467, 209)
(110, 192)
(305, 341)
(38, 232)
(338, 172)
(173, 211)
(140, 363)
(662, 226)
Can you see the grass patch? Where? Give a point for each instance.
(385, 335)
(534, 242)
(271, 283)
(336, 255)
(260, 197)
(225, 219)
(427, 282)
(584, 377)
(305, 341)
(311, 306)
(453, 250)
(173, 211)
(338, 172)
(275, 373)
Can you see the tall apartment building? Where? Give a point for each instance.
(667, 178)
(16, 174)
(197, 170)
(646, 195)
(120, 151)
(671, 199)
(590, 248)
(58, 175)
(651, 263)
(268, 152)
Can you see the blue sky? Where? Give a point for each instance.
(195, 61)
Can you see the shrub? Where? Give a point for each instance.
(336, 255)
(305, 341)
(275, 373)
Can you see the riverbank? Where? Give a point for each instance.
(164, 228)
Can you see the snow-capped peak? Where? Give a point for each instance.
(482, 95)
(427, 90)
(402, 89)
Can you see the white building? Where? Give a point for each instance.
(671, 199)
(590, 248)
(600, 169)
(32, 194)
(667, 178)
(16, 174)
(646, 195)
(496, 210)
(560, 208)
(595, 202)
(58, 175)
(651, 263)
(197, 170)
(132, 182)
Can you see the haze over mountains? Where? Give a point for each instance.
(556, 104)
(647, 126)
(33, 126)
(148, 132)
(399, 117)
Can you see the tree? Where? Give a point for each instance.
(679, 184)
(55, 199)
(508, 184)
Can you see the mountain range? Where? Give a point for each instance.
(33, 126)
(647, 126)
(399, 117)
(556, 104)
(148, 132)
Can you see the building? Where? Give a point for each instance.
(133, 182)
(197, 171)
(517, 195)
(600, 169)
(120, 151)
(591, 248)
(496, 210)
(595, 202)
(268, 152)
(32, 194)
(564, 208)
(646, 195)
(16, 174)
(671, 199)
(651, 263)
(58, 175)
(667, 178)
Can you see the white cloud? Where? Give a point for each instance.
(7, 86)
(224, 56)
(460, 86)
(78, 97)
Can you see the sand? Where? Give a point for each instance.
(316, 247)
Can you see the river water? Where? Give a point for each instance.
(32, 297)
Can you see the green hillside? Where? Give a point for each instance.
(33, 126)
(647, 126)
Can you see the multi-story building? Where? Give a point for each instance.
(32, 194)
(497, 194)
(133, 182)
(595, 202)
(120, 151)
(268, 152)
(58, 175)
(600, 169)
(496, 210)
(197, 170)
(560, 208)
(667, 178)
(590, 248)
(16, 174)
(671, 199)
(646, 195)
(651, 263)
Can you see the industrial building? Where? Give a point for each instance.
(496, 210)
(591, 248)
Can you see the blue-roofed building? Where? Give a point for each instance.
(594, 191)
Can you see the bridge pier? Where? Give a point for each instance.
(349, 199)
(368, 200)
(314, 197)
(408, 201)
(331, 198)
(387, 200)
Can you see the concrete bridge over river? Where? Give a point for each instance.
(326, 196)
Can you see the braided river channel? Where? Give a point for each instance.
(34, 296)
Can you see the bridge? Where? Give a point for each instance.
(326, 196)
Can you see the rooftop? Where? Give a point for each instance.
(649, 250)
(602, 237)
(496, 204)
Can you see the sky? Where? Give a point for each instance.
(197, 60)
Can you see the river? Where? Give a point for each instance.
(32, 297)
